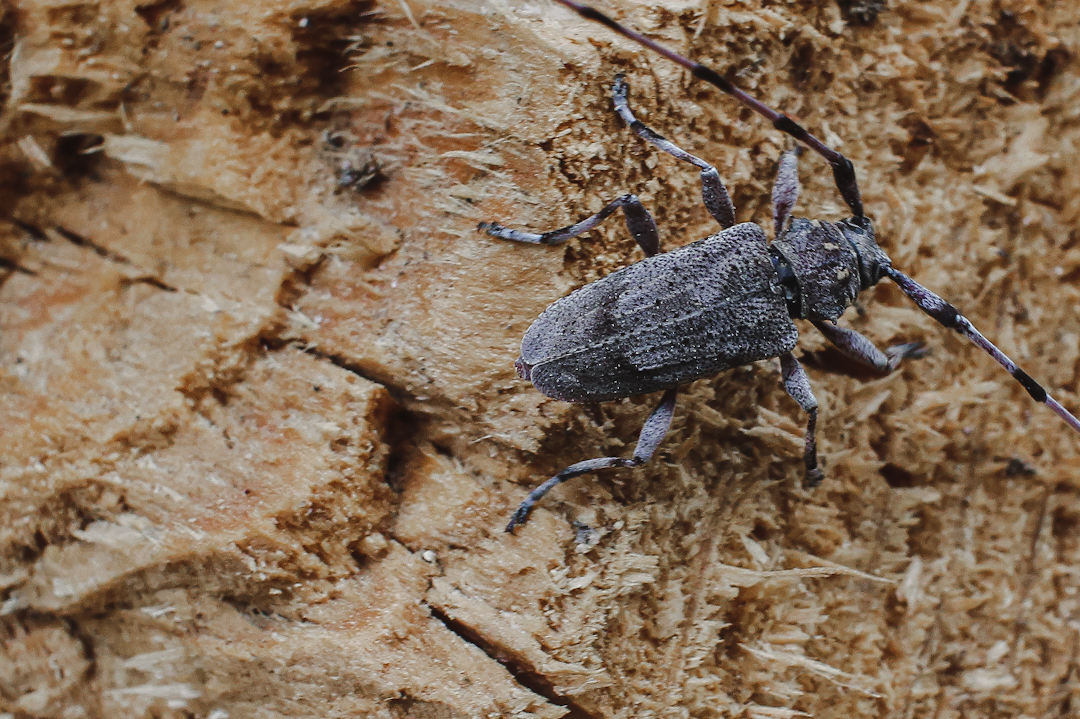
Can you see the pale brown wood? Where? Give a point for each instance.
(259, 423)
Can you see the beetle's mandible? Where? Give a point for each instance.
(720, 302)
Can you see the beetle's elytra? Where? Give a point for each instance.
(657, 324)
(720, 302)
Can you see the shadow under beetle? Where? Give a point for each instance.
(720, 302)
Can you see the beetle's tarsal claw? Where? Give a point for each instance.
(521, 515)
(619, 88)
(813, 478)
(908, 350)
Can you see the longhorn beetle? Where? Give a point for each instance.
(720, 302)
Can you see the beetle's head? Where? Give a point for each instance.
(872, 259)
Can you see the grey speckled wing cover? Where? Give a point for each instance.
(663, 322)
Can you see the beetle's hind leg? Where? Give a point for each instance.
(652, 433)
(859, 348)
(713, 192)
(797, 385)
(638, 221)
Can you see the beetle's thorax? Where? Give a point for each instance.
(824, 265)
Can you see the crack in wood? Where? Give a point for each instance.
(526, 677)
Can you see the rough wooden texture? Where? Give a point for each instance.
(260, 429)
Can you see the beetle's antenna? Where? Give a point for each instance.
(949, 316)
(843, 170)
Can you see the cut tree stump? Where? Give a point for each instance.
(260, 429)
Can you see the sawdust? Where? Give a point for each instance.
(260, 428)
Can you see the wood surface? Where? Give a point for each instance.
(260, 429)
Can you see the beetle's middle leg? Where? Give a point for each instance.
(652, 433)
(797, 385)
(638, 221)
(859, 348)
(713, 192)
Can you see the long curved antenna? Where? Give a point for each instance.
(843, 170)
(949, 316)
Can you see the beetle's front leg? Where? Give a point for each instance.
(859, 348)
(652, 434)
(797, 385)
(786, 189)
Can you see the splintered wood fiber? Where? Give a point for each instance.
(260, 429)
